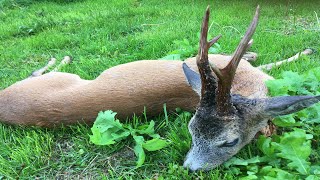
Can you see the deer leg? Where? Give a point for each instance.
(51, 62)
(291, 59)
(42, 70)
(66, 60)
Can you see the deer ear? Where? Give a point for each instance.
(193, 78)
(288, 104)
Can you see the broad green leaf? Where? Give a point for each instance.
(268, 172)
(290, 83)
(234, 170)
(286, 121)
(241, 162)
(148, 130)
(269, 178)
(281, 174)
(294, 80)
(310, 115)
(315, 170)
(250, 177)
(279, 87)
(154, 144)
(253, 168)
(264, 144)
(312, 177)
(106, 130)
(138, 150)
(295, 147)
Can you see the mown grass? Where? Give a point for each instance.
(100, 34)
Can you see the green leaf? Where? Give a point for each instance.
(138, 150)
(241, 162)
(250, 177)
(291, 83)
(295, 147)
(268, 172)
(295, 81)
(148, 130)
(106, 130)
(154, 144)
(310, 115)
(312, 177)
(315, 170)
(286, 121)
(234, 170)
(264, 144)
(278, 87)
(281, 174)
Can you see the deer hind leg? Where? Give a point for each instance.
(291, 59)
(51, 63)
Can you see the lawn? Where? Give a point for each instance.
(99, 34)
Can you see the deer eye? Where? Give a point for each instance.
(230, 144)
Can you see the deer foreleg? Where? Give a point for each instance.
(66, 60)
(51, 62)
(42, 70)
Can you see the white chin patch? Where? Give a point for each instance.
(195, 164)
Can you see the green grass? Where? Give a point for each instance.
(100, 34)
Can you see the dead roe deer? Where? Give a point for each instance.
(223, 122)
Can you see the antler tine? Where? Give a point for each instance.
(244, 44)
(208, 81)
(226, 75)
(204, 34)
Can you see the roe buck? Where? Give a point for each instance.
(222, 124)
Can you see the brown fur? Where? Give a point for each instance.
(61, 98)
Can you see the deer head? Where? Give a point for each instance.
(223, 122)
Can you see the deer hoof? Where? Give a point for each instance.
(250, 56)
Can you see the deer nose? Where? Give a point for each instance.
(192, 165)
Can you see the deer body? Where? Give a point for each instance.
(61, 98)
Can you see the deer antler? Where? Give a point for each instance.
(226, 75)
(208, 81)
(213, 92)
